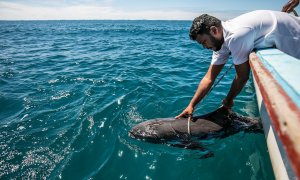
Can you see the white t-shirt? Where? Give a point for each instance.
(258, 29)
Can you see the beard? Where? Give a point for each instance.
(217, 44)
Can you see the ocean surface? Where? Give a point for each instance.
(71, 90)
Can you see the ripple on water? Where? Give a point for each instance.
(71, 90)
(60, 95)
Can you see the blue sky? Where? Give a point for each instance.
(129, 9)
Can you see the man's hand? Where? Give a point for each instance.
(289, 7)
(187, 112)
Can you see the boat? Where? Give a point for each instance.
(276, 78)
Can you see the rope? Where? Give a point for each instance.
(189, 126)
(214, 85)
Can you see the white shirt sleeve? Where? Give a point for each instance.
(241, 44)
(221, 56)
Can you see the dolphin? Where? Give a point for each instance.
(219, 123)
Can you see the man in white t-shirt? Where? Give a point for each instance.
(238, 37)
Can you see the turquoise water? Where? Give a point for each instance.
(71, 90)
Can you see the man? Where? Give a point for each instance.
(238, 37)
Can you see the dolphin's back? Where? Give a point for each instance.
(198, 127)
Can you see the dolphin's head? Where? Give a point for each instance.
(155, 130)
(143, 130)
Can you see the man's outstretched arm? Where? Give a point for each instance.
(241, 78)
(203, 88)
(289, 7)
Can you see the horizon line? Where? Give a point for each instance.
(96, 20)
